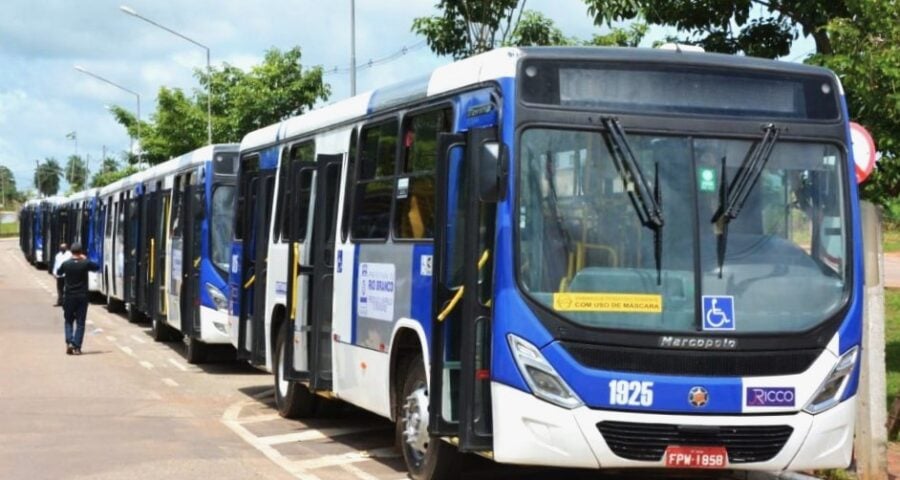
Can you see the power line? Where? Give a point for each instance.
(377, 61)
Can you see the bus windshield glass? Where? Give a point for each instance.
(584, 253)
(221, 225)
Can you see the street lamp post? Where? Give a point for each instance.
(133, 13)
(352, 48)
(137, 95)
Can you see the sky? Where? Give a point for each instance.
(43, 98)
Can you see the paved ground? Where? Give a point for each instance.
(131, 408)
(892, 270)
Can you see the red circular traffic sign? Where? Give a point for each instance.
(863, 151)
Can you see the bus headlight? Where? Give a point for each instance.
(829, 394)
(217, 297)
(541, 377)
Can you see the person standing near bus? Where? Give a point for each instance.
(61, 256)
(75, 270)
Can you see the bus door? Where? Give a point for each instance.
(460, 401)
(190, 279)
(258, 216)
(164, 203)
(320, 271)
(132, 245)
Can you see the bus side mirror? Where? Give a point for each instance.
(493, 171)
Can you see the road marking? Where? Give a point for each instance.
(259, 418)
(310, 435)
(170, 382)
(89, 321)
(229, 418)
(111, 338)
(358, 472)
(146, 364)
(126, 350)
(331, 461)
(178, 365)
(137, 339)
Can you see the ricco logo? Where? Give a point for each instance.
(770, 397)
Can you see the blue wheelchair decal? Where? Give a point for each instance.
(718, 312)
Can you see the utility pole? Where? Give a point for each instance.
(352, 48)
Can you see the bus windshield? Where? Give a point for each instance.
(584, 253)
(221, 225)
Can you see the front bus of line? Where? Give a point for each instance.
(678, 274)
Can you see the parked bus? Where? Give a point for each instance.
(541, 255)
(179, 228)
(26, 230)
(83, 221)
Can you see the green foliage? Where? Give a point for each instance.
(866, 57)
(892, 342)
(76, 173)
(7, 186)
(534, 28)
(621, 37)
(760, 28)
(106, 177)
(47, 175)
(465, 28)
(241, 102)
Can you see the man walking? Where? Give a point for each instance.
(75, 271)
(60, 258)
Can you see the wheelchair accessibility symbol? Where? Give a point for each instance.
(718, 312)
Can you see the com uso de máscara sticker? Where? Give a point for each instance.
(607, 302)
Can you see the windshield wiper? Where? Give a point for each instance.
(647, 203)
(731, 201)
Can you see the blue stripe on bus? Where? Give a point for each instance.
(353, 319)
(671, 394)
(421, 292)
(850, 333)
(268, 159)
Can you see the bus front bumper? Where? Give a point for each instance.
(214, 326)
(530, 431)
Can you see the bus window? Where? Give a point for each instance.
(375, 184)
(221, 223)
(414, 215)
(287, 200)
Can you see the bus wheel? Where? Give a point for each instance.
(292, 399)
(426, 457)
(196, 351)
(134, 316)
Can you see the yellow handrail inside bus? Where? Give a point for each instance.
(250, 281)
(459, 293)
(152, 259)
(196, 262)
(294, 271)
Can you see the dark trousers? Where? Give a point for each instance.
(60, 283)
(75, 311)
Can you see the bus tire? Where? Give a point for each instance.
(427, 457)
(134, 316)
(160, 331)
(292, 399)
(196, 351)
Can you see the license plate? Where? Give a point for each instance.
(696, 457)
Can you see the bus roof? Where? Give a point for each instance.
(493, 65)
(196, 157)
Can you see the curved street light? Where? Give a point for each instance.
(130, 11)
(138, 95)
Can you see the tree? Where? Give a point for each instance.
(276, 89)
(46, 176)
(866, 56)
(732, 27)
(106, 177)
(534, 28)
(76, 173)
(109, 167)
(7, 186)
(465, 28)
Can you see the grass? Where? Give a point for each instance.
(891, 238)
(9, 229)
(892, 342)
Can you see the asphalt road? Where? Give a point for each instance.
(131, 408)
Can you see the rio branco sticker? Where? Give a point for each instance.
(607, 302)
(376, 291)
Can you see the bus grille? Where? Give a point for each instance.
(648, 441)
(692, 362)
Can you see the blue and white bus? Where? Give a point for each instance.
(593, 258)
(179, 228)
